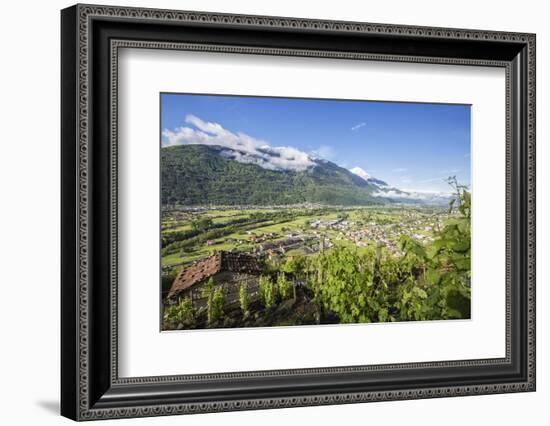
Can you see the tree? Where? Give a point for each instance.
(295, 266)
(202, 224)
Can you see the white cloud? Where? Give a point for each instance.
(392, 194)
(428, 192)
(430, 197)
(360, 172)
(358, 126)
(324, 151)
(239, 146)
(399, 170)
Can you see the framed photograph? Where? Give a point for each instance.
(263, 212)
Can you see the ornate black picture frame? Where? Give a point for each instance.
(91, 36)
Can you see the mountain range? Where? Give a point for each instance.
(196, 174)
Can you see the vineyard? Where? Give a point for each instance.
(393, 273)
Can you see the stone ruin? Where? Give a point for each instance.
(227, 268)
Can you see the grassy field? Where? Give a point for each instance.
(245, 229)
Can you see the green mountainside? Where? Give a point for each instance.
(201, 174)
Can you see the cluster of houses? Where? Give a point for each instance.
(282, 246)
(386, 235)
(336, 224)
(308, 244)
(377, 234)
(262, 237)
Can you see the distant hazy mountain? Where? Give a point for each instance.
(397, 195)
(210, 174)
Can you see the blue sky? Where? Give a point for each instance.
(411, 146)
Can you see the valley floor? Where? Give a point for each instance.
(273, 230)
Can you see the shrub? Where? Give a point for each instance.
(267, 295)
(283, 286)
(243, 298)
(181, 313)
(214, 301)
(216, 310)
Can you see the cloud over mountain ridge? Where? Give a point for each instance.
(239, 146)
(243, 148)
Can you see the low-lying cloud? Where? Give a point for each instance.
(430, 197)
(361, 173)
(239, 146)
